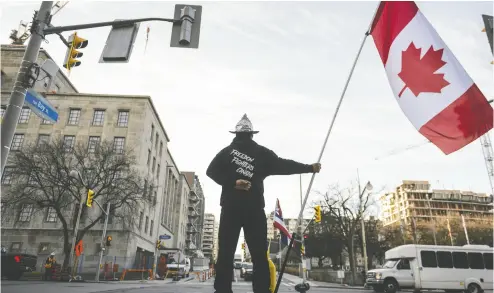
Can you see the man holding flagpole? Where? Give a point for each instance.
(240, 169)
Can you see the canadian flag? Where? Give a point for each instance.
(430, 85)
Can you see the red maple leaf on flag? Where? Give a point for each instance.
(419, 74)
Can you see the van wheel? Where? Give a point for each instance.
(473, 288)
(391, 286)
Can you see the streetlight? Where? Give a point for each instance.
(75, 174)
(367, 187)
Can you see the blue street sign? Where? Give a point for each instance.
(40, 106)
(165, 237)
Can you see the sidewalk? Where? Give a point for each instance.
(297, 280)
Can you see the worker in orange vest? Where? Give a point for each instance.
(50, 261)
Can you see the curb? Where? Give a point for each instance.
(339, 287)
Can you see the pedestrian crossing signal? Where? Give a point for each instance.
(72, 54)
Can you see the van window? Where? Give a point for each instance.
(488, 260)
(460, 260)
(475, 260)
(444, 259)
(428, 259)
(404, 264)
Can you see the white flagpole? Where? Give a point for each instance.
(465, 228)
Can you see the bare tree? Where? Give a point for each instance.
(40, 179)
(346, 206)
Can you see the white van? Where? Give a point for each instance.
(451, 268)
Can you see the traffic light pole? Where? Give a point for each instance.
(76, 229)
(102, 249)
(16, 101)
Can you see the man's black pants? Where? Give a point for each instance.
(253, 221)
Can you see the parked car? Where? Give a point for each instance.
(237, 265)
(245, 266)
(248, 274)
(15, 264)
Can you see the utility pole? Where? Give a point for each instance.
(103, 235)
(16, 102)
(369, 187)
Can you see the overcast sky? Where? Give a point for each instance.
(285, 65)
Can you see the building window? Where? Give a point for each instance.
(151, 228)
(51, 215)
(152, 132)
(141, 217)
(118, 144)
(74, 116)
(161, 148)
(44, 248)
(2, 111)
(68, 142)
(15, 246)
(17, 141)
(123, 118)
(2, 81)
(156, 142)
(7, 175)
(154, 164)
(149, 157)
(98, 117)
(146, 225)
(44, 121)
(43, 138)
(93, 143)
(25, 213)
(24, 116)
(158, 171)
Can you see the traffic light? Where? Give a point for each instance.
(243, 246)
(108, 241)
(317, 216)
(158, 244)
(75, 42)
(89, 200)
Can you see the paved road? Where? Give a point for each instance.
(193, 286)
(148, 287)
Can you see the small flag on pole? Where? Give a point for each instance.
(279, 224)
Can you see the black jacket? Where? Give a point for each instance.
(245, 159)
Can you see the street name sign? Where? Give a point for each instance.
(165, 237)
(40, 106)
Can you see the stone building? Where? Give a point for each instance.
(129, 122)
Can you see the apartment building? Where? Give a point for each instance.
(195, 215)
(417, 200)
(209, 238)
(129, 122)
